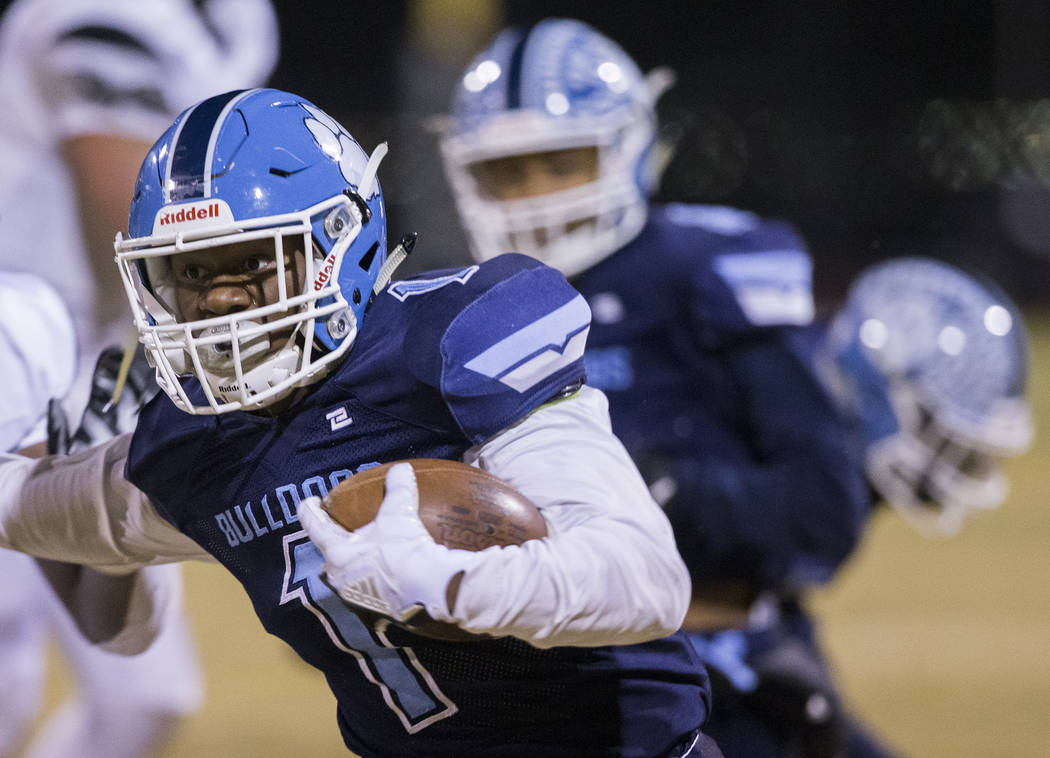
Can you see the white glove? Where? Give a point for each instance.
(391, 565)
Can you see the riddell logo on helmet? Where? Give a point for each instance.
(325, 272)
(190, 214)
(196, 215)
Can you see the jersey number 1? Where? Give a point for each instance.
(407, 688)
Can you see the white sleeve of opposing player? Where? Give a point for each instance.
(155, 602)
(81, 509)
(37, 351)
(609, 571)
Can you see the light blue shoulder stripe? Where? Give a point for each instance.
(538, 350)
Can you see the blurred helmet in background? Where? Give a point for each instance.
(559, 85)
(932, 365)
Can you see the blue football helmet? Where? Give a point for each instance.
(932, 365)
(556, 86)
(250, 165)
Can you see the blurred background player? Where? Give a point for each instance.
(119, 707)
(928, 366)
(552, 150)
(89, 86)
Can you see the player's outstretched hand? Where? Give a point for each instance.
(105, 416)
(390, 565)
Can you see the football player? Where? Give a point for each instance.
(928, 365)
(258, 273)
(87, 87)
(97, 620)
(551, 149)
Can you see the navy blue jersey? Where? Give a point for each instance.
(442, 363)
(691, 341)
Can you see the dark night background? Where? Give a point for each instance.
(878, 128)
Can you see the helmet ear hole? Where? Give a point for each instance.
(368, 258)
(343, 220)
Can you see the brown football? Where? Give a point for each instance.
(462, 506)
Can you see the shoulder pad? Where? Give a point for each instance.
(719, 219)
(771, 287)
(499, 339)
(747, 271)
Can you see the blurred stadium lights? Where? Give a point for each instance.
(968, 145)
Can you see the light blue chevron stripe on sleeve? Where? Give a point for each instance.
(405, 289)
(535, 352)
(771, 286)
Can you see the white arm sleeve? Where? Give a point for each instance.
(37, 351)
(154, 605)
(609, 571)
(81, 509)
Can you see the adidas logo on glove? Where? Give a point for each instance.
(364, 593)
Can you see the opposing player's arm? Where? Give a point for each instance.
(104, 167)
(120, 613)
(80, 509)
(102, 606)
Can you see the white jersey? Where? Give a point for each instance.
(37, 351)
(115, 67)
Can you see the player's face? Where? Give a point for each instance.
(533, 174)
(233, 278)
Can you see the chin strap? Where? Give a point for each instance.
(658, 81)
(130, 345)
(395, 259)
(368, 176)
